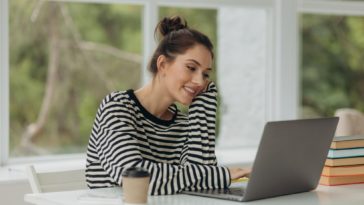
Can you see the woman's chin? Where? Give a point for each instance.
(185, 102)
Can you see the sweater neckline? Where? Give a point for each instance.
(149, 115)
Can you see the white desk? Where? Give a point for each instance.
(323, 195)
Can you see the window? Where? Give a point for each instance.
(73, 54)
(257, 67)
(331, 67)
(332, 71)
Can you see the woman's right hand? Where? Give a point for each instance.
(236, 173)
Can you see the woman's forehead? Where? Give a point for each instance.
(198, 55)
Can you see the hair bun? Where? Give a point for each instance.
(167, 25)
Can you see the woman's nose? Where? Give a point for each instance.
(198, 79)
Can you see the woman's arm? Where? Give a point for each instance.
(118, 148)
(200, 147)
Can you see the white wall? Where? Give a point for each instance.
(12, 192)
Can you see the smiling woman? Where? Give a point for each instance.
(185, 76)
(144, 128)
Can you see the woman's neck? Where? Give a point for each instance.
(154, 99)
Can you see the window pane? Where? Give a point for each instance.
(242, 73)
(332, 72)
(64, 58)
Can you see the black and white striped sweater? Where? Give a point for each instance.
(178, 153)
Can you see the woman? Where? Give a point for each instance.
(144, 128)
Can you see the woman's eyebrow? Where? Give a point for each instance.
(197, 63)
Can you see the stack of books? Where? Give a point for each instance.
(345, 161)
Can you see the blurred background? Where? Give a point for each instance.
(66, 56)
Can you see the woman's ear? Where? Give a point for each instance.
(161, 64)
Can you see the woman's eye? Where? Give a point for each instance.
(191, 68)
(206, 75)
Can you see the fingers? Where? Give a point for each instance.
(247, 171)
(236, 173)
(207, 85)
(244, 173)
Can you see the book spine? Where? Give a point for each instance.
(325, 184)
(345, 153)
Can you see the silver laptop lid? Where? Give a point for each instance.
(290, 157)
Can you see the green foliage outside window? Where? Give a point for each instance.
(94, 49)
(64, 58)
(332, 64)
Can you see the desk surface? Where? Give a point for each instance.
(323, 195)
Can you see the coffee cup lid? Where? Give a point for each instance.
(135, 172)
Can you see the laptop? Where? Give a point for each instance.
(289, 160)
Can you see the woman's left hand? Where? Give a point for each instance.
(236, 173)
(205, 87)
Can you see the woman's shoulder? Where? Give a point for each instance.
(120, 104)
(117, 98)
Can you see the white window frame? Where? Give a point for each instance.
(334, 7)
(282, 92)
(4, 82)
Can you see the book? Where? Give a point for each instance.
(346, 153)
(340, 142)
(341, 180)
(343, 170)
(344, 161)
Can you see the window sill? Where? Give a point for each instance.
(17, 174)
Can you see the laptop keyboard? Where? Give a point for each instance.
(230, 191)
(233, 191)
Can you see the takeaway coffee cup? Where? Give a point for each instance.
(135, 185)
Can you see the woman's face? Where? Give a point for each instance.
(188, 74)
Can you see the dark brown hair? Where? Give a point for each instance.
(175, 38)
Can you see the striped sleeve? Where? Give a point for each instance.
(201, 118)
(118, 147)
